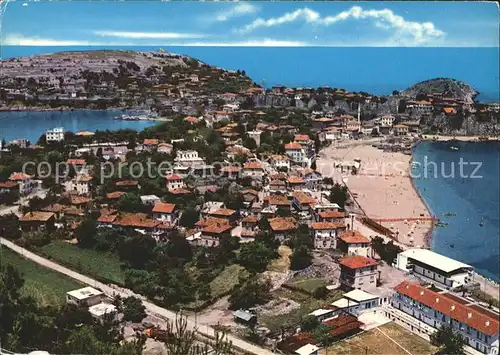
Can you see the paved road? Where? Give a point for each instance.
(22, 201)
(111, 290)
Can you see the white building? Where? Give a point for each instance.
(255, 135)
(149, 199)
(430, 310)
(27, 184)
(101, 310)
(174, 181)
(165, 212)
(356, 302)
(325, 234)
(298, 154)
(435, 268)
(86, 296)
(82, 184)
(308, 349)
(54, 135)
(279, 162)
(359, 272)
(188, 158)
(386, 121)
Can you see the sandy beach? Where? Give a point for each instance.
(382, 187)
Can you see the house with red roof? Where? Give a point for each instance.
(26, 183)
(325, 234)
(431, 309)
(359, 272)
(354, 243)
(165, 212)
(174, 181)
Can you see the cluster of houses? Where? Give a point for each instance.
(421, 306)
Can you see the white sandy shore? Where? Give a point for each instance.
(382, 188)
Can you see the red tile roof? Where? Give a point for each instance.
(357, 262)
(277, 200)
(296, 180)
(251, 192)
(76, 161)
(343, 324)
(216, 228)
(79, 200)
(127, 183)
(440, 302)
(161, 207)
(352, 237)
(226, 212)
(173, 177)
(282, 223)
(252, 165)
(138, 220)
(293, 145)
(115, 195)
(179, 191)
(301, 137)
(327, 225)
(303, 198)
(250, 219)
(107, 218)
(36, 216)
(7, 184)
(19, 176)
(331, 214)
(151, 141)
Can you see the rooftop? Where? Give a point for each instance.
(353, 237)
(101, 309)
(357, 262)
(282, 223)
(435, 260)
(456, 310)
(83, 293)
(36, 216)
(161, 207)
(359, 295)
(326, 225)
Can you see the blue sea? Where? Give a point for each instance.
(32, 125)
(376, 70)
(473, 234)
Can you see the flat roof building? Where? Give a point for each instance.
(87, 296)
(435, 268)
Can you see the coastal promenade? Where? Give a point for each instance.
(112, 290)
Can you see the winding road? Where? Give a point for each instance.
(112, 290)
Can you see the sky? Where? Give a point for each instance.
(265, 24)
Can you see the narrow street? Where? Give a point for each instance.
(111, 290)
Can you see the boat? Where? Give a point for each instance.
(454, 148)
(450, 214)
(441, 224)
(452, 245)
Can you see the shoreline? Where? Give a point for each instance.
(474, 138)
(383, 190)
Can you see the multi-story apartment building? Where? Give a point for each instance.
(478, 326)
(188, 158)
(54, 135)
(325, 234)
(359, 272)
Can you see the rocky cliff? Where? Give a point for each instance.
(450, 88)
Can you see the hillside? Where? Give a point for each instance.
(106, 78)
(450, 88)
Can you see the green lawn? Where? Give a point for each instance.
(308, 284)
(102, 266)
(227, 279)
(307, 305)
(47, 287)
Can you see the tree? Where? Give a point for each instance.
(130, 202)
(387, 251)
(250, 143)
(300, 258)
(9, 226)
(255, 256)
(137, 250)
(189, 217)
(133, 309)
(448, 341)
(86, 232)
(320, 292)
(249, 293)
(395, 93)
(339, 195)
(323, 336)
(309, 323)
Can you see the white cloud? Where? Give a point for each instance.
(147, 35)
(19, 40)
(409, 32)
(241, 9)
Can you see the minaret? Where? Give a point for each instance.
(359, 112)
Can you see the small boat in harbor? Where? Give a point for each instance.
(450, 214)
(454, 148)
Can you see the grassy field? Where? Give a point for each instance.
(281, 264)
(374, 342)
(308, 284)
(227, 279)
(47, 287)
(307, 305)
(90, 262)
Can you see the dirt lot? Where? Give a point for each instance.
(389, 339)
